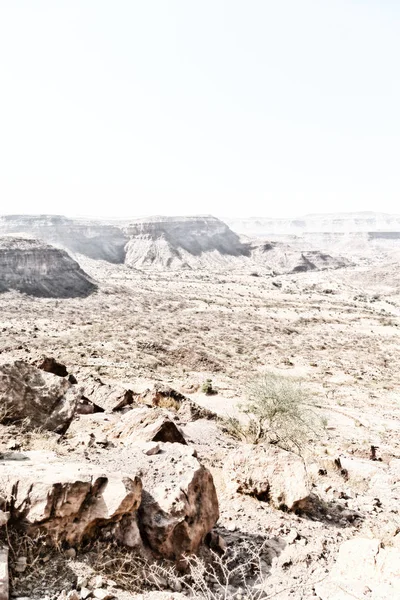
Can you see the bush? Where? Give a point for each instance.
(279, 411)
(207, 388)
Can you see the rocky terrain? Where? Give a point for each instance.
(38, 269)
(128, 467)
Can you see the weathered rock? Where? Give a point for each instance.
(106, 397)
(4, 587)
(270, 474)
(179, 503)
(40, 399)
(72, 502)
(363, 564)
(166, 397)
(50, 365)
(147, 425)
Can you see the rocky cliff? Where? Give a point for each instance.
(182, 242)
(95, 239)
(38, 269)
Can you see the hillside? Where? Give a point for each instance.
(38, 269)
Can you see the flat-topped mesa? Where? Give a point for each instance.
(182, 242)
(38, 269)
(95, 239)
(344, 223)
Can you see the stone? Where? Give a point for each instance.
(149, 448)
(166, 397)
(179, 504)
(50, 365)
(4, 518)
(103, 594)
(70, 553)
(270, 474)
(147, 425)
(85, 593)
(4, 585)
(73, 595)
(72, 502)
(106, 397)
(361, 564)
(41, 400)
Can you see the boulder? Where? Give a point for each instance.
(72, 502)
(4, 587)
(270, 474)
(179, 503)
(147, 425)
(363, 568)
(105, 397)
(40, 399)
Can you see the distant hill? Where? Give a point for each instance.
(38, 269)
(200, 242)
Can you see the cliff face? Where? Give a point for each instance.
(37, 269)
(94, 239)
(182, 242)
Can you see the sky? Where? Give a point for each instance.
(120, 108)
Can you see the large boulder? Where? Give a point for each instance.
(72, 502)
(270, 474)
(147, 425)
(363, 568)
(40, 399)
(179, 503)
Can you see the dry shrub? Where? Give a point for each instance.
(278, 411)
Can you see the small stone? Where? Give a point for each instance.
(21, 564)
(13, 445)
(150, 448)
(98, 582)
(82, 581)
(4, 517)
(102, 594)
(70, 553)
(85, 593)
(73, 595)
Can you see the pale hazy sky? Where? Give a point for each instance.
(229, 107)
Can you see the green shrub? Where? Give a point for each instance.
(207, 388)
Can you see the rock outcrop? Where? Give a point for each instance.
(164, 500)
(179, 504)
(73, 503)
(37, 269)
(40, 399)
(270, 474)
